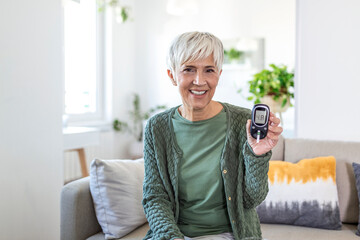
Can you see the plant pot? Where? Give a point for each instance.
(275, 106)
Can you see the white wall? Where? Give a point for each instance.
(328, 80)
(31, 101)
(123, 69)
(140, 46)
(155, 29)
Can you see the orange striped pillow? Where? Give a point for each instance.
(302, 193)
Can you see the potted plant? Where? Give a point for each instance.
(135, 127)
(122, 12)
(233, 56)
(273, 87)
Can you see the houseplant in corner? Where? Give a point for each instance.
(233, 56)
(135, 127)
(121, 11)
(273, 87)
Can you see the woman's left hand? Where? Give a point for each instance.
(271, 139)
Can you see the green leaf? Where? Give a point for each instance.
(124, 14)
(146, 115)
(137, 117)
(113, 3)
(119, 126)
(277, 82)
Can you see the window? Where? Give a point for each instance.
(83, 58)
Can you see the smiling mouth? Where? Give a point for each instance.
(198, 93)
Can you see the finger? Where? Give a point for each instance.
(249, 137)
(274, 129)
(272, 114)
(273, 136)
(248, 126)
(274, 121)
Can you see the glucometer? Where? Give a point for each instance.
(259, 121)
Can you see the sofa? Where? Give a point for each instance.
(79, 221)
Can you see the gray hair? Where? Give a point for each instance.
(192, 46)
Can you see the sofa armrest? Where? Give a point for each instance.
(78, 219)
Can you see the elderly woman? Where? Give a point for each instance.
(204, 173)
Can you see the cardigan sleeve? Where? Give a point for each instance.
(156, 201)
(255, 176)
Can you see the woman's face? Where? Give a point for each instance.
(197, 82)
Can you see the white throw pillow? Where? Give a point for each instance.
(116, 189)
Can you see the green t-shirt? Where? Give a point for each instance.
(202, 199)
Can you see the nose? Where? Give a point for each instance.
(199, 79)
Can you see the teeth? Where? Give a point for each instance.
(198, 92)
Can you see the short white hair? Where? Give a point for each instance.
(192, 46)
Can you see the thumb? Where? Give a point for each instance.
(248, 127)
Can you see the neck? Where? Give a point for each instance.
(193, 115)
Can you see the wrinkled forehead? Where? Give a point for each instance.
(207, 61)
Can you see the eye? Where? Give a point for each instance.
(210, 70)
(188, 70)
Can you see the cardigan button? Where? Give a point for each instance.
(229, 198)
(224, 171)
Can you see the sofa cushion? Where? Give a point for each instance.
(286, 232)
(278, 150)
(269, 232)
(345, 153)
(138, 234)
(356, 168)
(116, 188)
(302, 194)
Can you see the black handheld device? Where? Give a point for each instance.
(259, 121)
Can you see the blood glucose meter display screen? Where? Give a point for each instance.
(260, 116)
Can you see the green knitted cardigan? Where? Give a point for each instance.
(244, 176)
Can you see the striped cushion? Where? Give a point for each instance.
(356, 168)
(302, 194)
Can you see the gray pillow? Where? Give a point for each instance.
(356, 168)
(116, 189)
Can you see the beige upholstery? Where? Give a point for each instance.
(278, 150)
(78, 220)
(345, 153)
(137, 234)
(286, 232)
(270, 232)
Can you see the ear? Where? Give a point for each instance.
(219, 77)
(171, 76)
